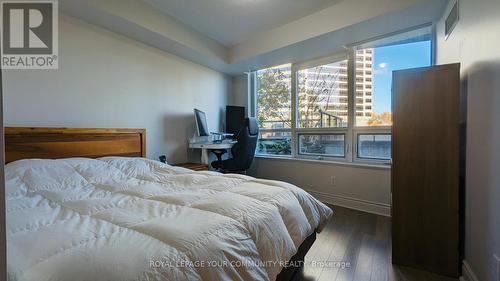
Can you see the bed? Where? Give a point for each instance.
(84, 204)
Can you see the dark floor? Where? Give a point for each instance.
(364, 241)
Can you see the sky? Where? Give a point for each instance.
(390, 58)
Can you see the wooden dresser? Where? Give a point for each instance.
(427, 169)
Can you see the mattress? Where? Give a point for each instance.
(118, 218)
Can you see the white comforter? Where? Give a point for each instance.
(136, 219)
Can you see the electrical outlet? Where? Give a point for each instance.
(497, 259)
(333, 180)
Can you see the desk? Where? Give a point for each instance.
(205, 146)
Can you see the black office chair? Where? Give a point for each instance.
(244, 151)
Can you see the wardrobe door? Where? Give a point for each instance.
(425, 170)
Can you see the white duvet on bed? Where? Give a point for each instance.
(136, 219)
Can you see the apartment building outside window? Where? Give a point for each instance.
(325, 110)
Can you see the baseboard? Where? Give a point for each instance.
(467, 273)
(353, 203)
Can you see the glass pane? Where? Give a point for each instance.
(374, 146)
(275, 143)
(274, 97)
(322, 96)
(322, 144)
(374, 67)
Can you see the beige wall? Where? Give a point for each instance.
(475, 43)
(107, 80)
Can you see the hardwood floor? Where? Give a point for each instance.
(360, 243)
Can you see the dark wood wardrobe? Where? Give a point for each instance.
(427, 169)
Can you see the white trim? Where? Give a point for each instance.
(351, 103)
(326, 162)
(332, 58)
(294, 144)
(377, 208)
(467, 273)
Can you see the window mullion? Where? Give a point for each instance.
(252, 89)
(294, 108)
(351, 104)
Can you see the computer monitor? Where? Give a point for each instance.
(201, 123)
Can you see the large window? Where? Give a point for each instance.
(338, 108)
(274, 110)
(373, 83)
(323, 96)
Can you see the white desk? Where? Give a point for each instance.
(205, 146)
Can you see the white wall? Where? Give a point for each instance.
(145, 23)
(239, 91)
(107, 80)
(475, 43)
(358, 187)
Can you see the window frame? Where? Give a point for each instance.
(262, 131)
(253, 101)
(296, 130)
(381, 130)
(351, 132)
(320, 156)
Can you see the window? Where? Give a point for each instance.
(274, 110)
(332, 145)
(316, 110)
(393, 54)
(274, 106)
(401, 51)
(274, 143)
(374, 146)
(319, 101)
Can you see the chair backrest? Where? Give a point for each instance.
(244, 151)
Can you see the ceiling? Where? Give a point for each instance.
(231, 21)
(275, 35)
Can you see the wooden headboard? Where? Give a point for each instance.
(53, 143)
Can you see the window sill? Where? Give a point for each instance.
(327, 162)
